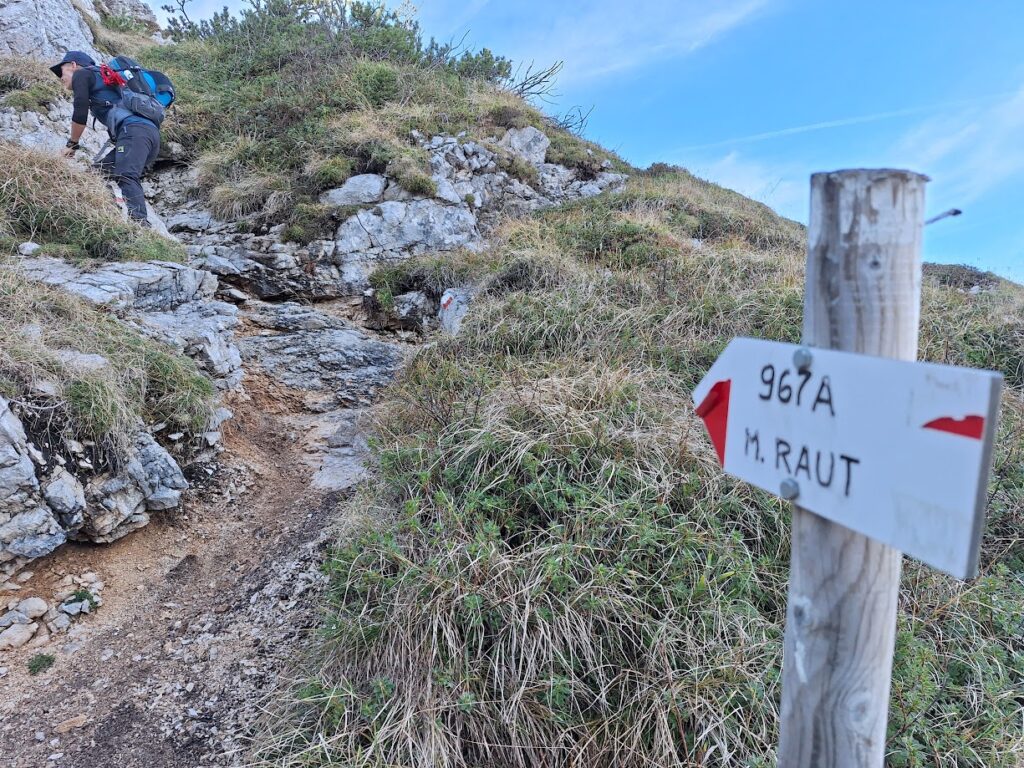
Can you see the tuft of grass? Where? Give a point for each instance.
(311, 221)
(40, 662)
(28, 85)
(518, 167)
(47, 199)
(549, 560)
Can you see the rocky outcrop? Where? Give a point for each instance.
(28, 527)
(121, 502)
(392, 225)
(46, 29)
(42, 504)
(170, 302)
(332, 362)
(43, 29)
(46, 130)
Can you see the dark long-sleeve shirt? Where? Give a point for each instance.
(89, 93)
(81, 87)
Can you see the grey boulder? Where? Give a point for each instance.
(358, 190)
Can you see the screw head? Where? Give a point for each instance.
(789, 489)
(802, 359)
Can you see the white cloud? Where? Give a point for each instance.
(784, 188)
(609, 37)
(970, 152)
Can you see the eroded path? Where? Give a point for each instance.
(207, 608)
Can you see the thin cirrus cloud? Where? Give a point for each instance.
(970, 152)
(843, 122)
(607, 37)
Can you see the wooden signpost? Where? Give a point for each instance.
(881, 456)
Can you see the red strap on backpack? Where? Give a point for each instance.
(112, 77)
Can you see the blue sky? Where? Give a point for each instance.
(758, 94)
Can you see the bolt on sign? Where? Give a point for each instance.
(897, 451)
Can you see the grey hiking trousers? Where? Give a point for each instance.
(134, 151)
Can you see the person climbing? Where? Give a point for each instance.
(136, 139)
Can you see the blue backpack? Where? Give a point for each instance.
(148, 82)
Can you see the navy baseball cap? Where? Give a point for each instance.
(78, 57)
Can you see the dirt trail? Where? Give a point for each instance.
(202, 611)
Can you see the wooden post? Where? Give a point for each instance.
(863, 294)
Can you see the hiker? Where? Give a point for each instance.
(136, 139)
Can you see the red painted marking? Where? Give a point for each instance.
(714, 409)
(968, 426)
(448, 302)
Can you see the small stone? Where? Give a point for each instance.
(9, 586)
(29, 248)
(25, 576)
(13, 617)
(107, 655)
(40, 736)
(89, 577)
(3, 672)
(71, 723)
(17, 635)
(33, 607)
(73, 609)
(61, 622)
(175, 436)
(36, 455)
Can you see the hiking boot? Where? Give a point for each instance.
(144, 223)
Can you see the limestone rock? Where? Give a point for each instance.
(454, 306)
(65, 496)
(17, 635)
(416, 226)
(13, 617)
(33, 607)
(132, 9)
(319, 354)
(120, 503)
(414, 309)
(152, 285)
(46, 131)
(43, 29)
(203, 330)
(529, 143)
(28, 528)
(29, 248)
(358, 190)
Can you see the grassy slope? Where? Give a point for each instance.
(553, 570)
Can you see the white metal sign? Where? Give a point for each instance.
(898, 451)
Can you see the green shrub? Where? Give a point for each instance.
(519, 168)
(40, 662)
(125, 23)
(311, 221)
(329, 173)
(378, 81)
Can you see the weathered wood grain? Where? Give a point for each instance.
(863, 294)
